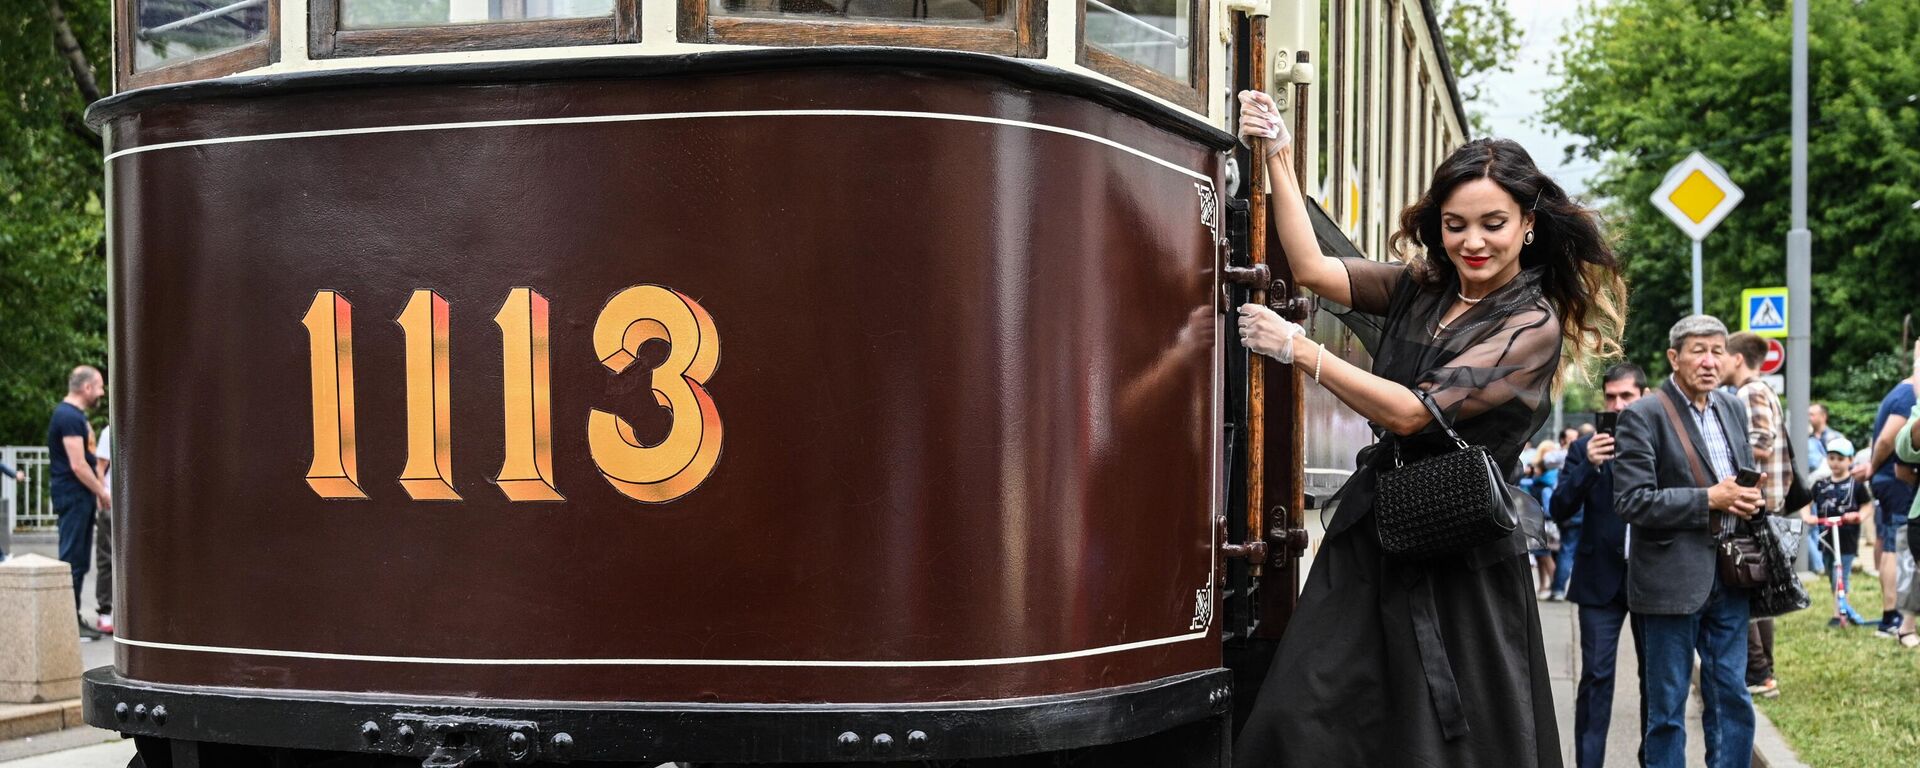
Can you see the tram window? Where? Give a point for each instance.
(387, 27)
(1156, 45)
(1002, 27)
(1152, 33)
(171, 31)
(993, 12)
(376, 14)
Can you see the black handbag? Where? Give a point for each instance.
(1443, 505)
(1782, 593)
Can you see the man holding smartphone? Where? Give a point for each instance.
(1598, 584)
(1679, 453)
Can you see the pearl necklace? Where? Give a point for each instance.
(1442, 324)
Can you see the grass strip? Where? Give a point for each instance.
(1847, 697)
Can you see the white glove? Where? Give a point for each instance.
(1267, 333)
(1260, 119)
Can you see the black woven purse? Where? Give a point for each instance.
(1443, 505)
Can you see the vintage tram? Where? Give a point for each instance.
(431, 454)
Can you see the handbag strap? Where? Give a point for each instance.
(1686, 441)
(1438, 418)
(1715, 520)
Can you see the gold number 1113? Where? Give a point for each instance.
(660, 472)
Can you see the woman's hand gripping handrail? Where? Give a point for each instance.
(1313, 270)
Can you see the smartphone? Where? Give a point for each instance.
(1605, 421)
(1747, 478)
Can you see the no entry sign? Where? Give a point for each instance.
(1775, 360)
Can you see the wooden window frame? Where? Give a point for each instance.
(1370, 124)
(1026, 38)
(1337, 77)
(326, 40)
(252, 55)
(1392, 167)
(1417, 172)
(1190, 94)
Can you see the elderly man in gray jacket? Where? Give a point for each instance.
(1673, 584)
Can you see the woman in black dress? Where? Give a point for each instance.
(1387, 663)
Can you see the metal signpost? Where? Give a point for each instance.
(1696, 195)
(1799, 243)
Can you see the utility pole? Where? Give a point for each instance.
(1799, 246)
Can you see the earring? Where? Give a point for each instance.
(1528, 240)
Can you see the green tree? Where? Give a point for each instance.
(52, 267)
(1647, 81)
(1482, 38)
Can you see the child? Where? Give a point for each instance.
(1840, 495)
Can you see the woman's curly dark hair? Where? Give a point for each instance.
(1582, 277)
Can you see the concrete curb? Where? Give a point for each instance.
(1769, 749)
(18, 721)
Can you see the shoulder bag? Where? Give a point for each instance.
(1442, 505)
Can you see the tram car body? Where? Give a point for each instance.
(529, 381)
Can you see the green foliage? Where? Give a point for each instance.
(1581, 394)
(53, 294)
(1647, 81)
(1852, 418)
(1481, 38)
(1854, 396)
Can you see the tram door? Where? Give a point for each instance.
(1265, 503)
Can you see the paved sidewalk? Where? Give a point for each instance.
(1560, 628)
(1559, 625)
(98, 749)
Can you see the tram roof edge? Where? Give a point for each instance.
(1439, 39)
(1024, 72)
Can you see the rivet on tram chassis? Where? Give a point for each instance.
(140, 712)
(917, 741)
(848, 743)
(121, 711)
(404, 735)
(370, 732)
(517, 744)
(882, 744)
(562, 743)
(159, 714)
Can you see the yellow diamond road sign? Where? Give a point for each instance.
(1696, 195)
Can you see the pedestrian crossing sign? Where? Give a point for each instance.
(1764, 312)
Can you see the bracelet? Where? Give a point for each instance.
(1317, 357)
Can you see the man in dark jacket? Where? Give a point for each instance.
(1680, 451)
(1599, 579)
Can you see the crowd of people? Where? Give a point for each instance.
(1654, 500)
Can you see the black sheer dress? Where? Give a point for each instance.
(1388, 664)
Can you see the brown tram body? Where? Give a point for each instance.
(740, 406)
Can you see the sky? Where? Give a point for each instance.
(1511, 100)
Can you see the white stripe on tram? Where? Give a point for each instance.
(639, 118)
(667, 662)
